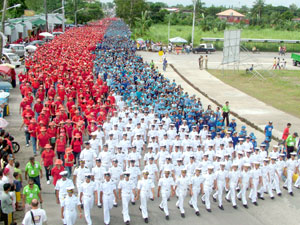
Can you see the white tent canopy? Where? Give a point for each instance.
(177, 40)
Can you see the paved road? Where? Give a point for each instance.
(283, 210)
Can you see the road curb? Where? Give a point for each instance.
(249, 123)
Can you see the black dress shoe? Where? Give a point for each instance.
(152, 199)
(262, 198)
(132, 203)
(239, 199)
(291, 194)
(99, 206)
(168, 199)
(235, 207)
(272, 198)
(116, 205)
(214, 199)
(182, 215)
(167, 218)
(197, 213)
(146, 220)
(208, 210)
(285, 188)
(191, 205)
(127, 222)
(140, 209)
(227, 200)
(221, 207)
(279, 194)
(161, 208)
(255, 203)
(203, 202)
(245, 206)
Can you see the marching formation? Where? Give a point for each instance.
(132, 136)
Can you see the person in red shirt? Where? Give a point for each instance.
(56, 170)
(47, 159)
(38, 107)
(35, 85)
(286, 133)
(76, 146)
(52, 133)
(25, 124)
(42, 139)
(28, 110)
(60, 146)
(69, 161)
(69, 129)
(32, 131)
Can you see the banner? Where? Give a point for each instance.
(29, 12)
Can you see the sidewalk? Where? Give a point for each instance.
(245, 106)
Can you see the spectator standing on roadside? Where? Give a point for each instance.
(290, 144)
(34, 171)
(226, 111)
(165, 64)
(38, 215)
(205, 61)
(31, 191)
(268, 130)
(7, 205)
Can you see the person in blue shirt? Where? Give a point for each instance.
(253, 141)
(213, 132)
(268, 130)
(235, 138)
(232, 124)
(243, 132)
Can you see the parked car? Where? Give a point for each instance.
(36, 42)
(156, 48)
(207, 48)
(12, 59)
(18, 49)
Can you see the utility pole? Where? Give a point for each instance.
(3, 27)
(46, 14)
(194, 17)
(63, 15)
(169, 27)
(75, 10)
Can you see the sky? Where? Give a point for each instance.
(235, 3)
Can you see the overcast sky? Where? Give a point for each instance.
(234, 3)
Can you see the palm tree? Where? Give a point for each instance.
(258, 7)
(143, 22)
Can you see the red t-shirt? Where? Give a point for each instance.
(48, 157)
(43, 140)
(70, 158)
(60, 145)
(55, 173)
(76, 146)
(285, 133)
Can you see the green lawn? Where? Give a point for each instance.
(159, 32)
(281, 91)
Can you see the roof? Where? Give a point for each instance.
(37, 22)
(255, 40)
(296, 19)
(230, 12)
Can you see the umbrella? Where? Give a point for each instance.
(46, 34)
(3, 123)
(140, 39)
(31, 47)
(178, 40)
(5, 69)
(9, 65)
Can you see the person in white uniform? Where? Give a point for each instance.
(145, 186)
(266, 184)
(69, 207)
(292, 167)
(182, 184)
(246, 181)
(166, 186)
(116, 175)
(98, 177)
(88, 195)
(107, 195)
(196, 185)
(209, 183)
(256, 181)
(126, 189)
(88, 155)
(221, 176)
(79, 175)
(232, 184)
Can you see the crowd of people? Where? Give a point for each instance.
(114, 130)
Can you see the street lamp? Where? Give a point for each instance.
(12, 7)
(57, 10)
(194, 16)
(63, 15)
(76, 15)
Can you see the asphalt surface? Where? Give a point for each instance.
(282, 210)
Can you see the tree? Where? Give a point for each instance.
(143, 23)
(92, 11)
(129, 10)
(258, 8)
(16, 12)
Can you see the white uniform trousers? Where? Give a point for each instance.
(242, 193)
(194, 199)
(70, 217)
(275, 183)
(61, 198)
(164, 201)
(116, 182)
(98, 184)
(89, 164)
(206, 196)
(219, 192)
(289, 180)
(107, 206)
(179, 203)
(125, 202)
(144, 198)
(266, 187)
(88, 201)
(253, 191)
(231, 194)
